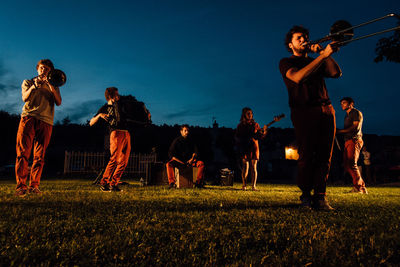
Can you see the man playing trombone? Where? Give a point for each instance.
(312, 114)
(35, 127)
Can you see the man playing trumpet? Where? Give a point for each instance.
(35, 127)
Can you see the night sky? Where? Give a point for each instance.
(192, 60)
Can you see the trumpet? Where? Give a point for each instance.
(55, 77)
(342, 31)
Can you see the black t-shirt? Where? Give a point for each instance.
(308, 93)
(116, 118)
(182, 148)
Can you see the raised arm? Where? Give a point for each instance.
(332, 69)
(96, 118)
(299, 75)
(56, 93)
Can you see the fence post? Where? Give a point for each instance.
(66, 162)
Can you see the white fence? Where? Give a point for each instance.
(93, 162)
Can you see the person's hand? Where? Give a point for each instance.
(104, 116)
(329, 50)
(315, 48)
(38, 81)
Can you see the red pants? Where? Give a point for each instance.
(315, 132)
(171, 172)
(351, 153)
(120, 149)
(34, 133)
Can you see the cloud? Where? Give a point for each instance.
(189, 112)
(14, 107)
(79, 112)
(6, 85)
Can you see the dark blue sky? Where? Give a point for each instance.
(190, 61)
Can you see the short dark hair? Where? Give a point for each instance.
(46, 62)
(348, 99)
(111, 92)
(184, 126)
(293, 30)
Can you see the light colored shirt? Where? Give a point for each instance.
(354, 115)
(40, 103)
(367, 157)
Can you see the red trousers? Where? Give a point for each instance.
(120, 149)
(351, 154)
(171, 172)
(34, 133)
(315, 132)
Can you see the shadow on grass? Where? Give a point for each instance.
(148, 206)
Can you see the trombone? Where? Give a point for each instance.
(342, 31)
(55, 77)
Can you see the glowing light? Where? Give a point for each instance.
(291, 153)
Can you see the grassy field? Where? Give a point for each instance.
(74, 223)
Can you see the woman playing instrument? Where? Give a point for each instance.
(248, 132)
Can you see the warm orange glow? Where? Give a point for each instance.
(291, 153)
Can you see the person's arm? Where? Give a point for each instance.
(260, 133)
(56, 93)
(332, 69)
(194, 155)
(96, 118)
(264, 131)
(178, 160)
(54, 90)
(350, 129)
(27, 89)
(172, 151)
(299, 75)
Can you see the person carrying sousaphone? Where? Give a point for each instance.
(35, 127)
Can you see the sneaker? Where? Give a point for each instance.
(355, 190)
(115, 188)
(105, 188)
(21, 192)
(322, 204)
(254, 188)
(199, 185)
(244, 188)
(363, 190)
(35, 190)
(172, 186)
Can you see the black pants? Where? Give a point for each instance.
(315, 132)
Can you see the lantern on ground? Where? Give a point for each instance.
(291, 153)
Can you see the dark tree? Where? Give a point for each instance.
(389, 48)
(66, 121)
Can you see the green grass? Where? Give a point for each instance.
(74, 223)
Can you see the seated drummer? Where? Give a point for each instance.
(183, 152)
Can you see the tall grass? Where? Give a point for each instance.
(74, 223)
